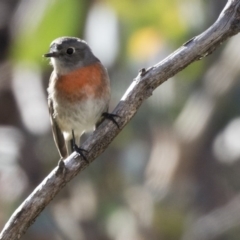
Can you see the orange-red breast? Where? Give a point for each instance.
(79, 92)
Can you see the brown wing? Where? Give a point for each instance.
(57, 134)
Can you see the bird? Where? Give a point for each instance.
(78, 93)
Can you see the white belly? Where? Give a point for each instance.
(80, 117)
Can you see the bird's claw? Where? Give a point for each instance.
(80, 152)
(111, 116)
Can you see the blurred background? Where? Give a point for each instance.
(173, 172)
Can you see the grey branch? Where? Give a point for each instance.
(227, 25)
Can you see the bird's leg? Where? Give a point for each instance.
(77, 149)
(111, 117)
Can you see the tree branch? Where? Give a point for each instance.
(227, 25)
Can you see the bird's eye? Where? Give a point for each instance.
(70, 51)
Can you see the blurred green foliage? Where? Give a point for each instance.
(163, 15)
(61, 18)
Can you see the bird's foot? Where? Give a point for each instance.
(80, 152)
(111, 117)
(78, 149)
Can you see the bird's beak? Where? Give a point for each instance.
(51, 54)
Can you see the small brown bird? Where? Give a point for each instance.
(79, 93)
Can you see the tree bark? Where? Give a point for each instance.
(227, 25)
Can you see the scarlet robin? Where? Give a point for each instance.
(79, 92)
